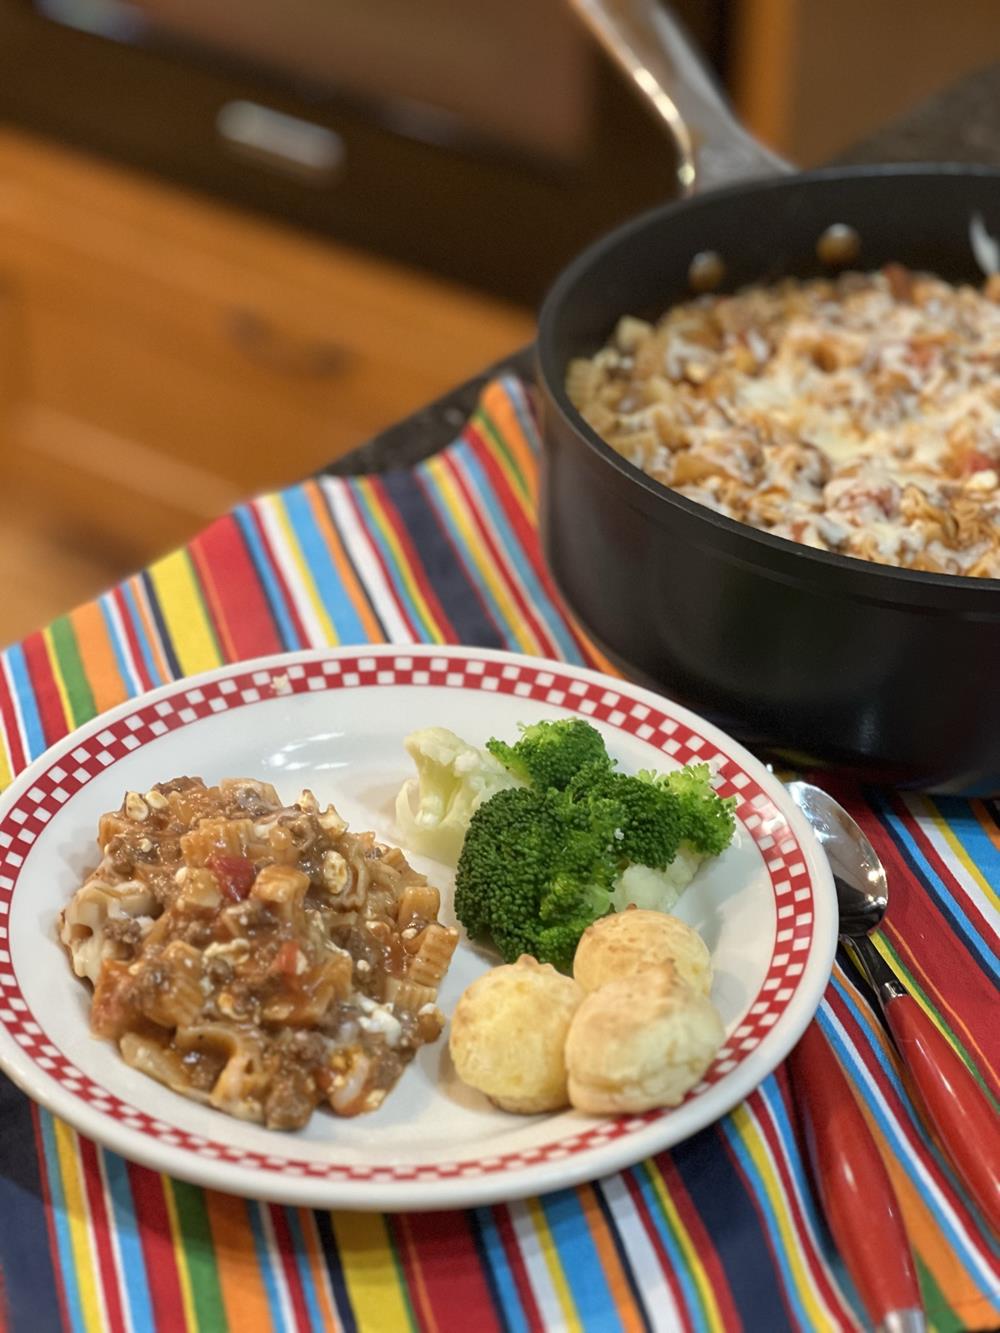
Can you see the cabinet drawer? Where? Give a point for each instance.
(170, 357)
(223, 372)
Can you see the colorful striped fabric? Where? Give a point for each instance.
(720, 1234)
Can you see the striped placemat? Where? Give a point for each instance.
(719, 1234)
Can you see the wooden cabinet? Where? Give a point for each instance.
(813, 78)
(162, 357)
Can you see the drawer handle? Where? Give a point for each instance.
(259, 341)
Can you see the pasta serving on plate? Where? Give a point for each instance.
(256, 957)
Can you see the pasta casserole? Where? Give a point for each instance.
(858, 415)
(256, 957)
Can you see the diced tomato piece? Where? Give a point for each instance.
(235, 874)
(286, 958)
(976, 461)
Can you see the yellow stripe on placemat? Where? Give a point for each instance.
(959, 852)
(423, 1309)
(345, 570)
(183, 610)
(370, 1272)
(380, 518)
(6, 772)
(937, 1008)
(550, 1253)
(925, 1234)
(149, 632)
(985, 822)
(755, 1149)
(499, 407)
(695, 1267)
(306, 577)
(512, 617)
(180, 1254)
(84, 1258)
(57, 676)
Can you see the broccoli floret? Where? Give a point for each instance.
(507, 861)
(534, 873)
(541, 862)
(557, 944)
(548, 754)
(706, 819)
(647, 824)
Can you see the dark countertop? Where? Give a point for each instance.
(959, 124)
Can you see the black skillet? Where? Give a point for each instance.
(892, 675)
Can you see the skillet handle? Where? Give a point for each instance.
(650, 46)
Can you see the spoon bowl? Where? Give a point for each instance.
(859, 875)
(954, 1104)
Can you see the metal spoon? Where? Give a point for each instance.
(850, 1178)
(954, 1105)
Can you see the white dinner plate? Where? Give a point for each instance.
(334, 721)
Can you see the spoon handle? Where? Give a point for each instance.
(857, 1196)
(955, 1105)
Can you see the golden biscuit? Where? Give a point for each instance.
(509, 1032)
(624, 943)
(640, 1042)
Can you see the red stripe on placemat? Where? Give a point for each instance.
(938, 957)
(135, 647)
(18, 759)
(772, 1135)
(286, 1252)
(50, 1221)
(278, 575)
(414, 561)
(662, 1258)
(547, 646)
(902, 1112)
(462, 558)
(94, 1186)
(701, 1240)
(762, 1221)
(525, 537)
(213, 606)
(50, 709)
(515, 1261)
(376, 553)
(525, 531)
(153, 1225)
(233, 590)
(416, 1293)
(451, 1277)
(941, 868)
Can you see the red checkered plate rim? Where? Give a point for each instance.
(799, 966)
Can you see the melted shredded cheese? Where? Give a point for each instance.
(860, 415)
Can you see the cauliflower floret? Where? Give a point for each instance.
(657, 890)
(453, 779)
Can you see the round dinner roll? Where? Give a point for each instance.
(624, 943)
(640, 1042)
(508, 1035)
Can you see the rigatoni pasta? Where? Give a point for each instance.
(860, 415)
(256, 957)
